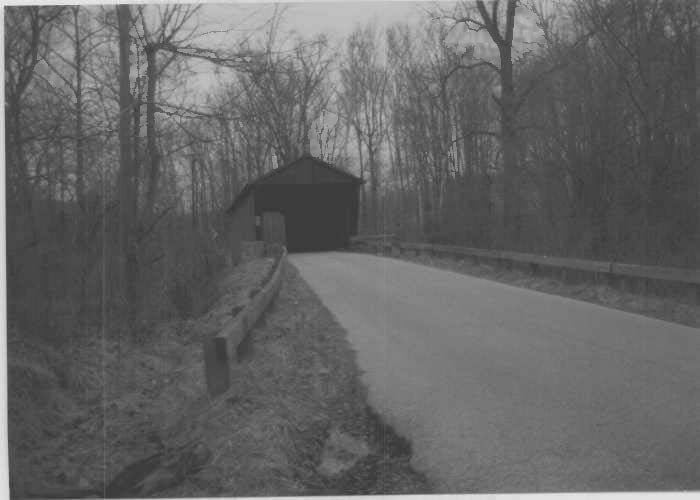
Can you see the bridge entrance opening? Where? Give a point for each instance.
(316, 216)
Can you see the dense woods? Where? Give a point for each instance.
(580, 140)
(584, 144)
(130, 129)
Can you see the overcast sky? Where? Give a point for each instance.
(338, 19)
(335, 19)
(227, 22)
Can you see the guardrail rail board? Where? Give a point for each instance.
(657, 273)
(688, 278)
(221, 350)
(371, 237)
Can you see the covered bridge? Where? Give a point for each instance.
(311, 202)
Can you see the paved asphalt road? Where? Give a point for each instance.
(502, 389)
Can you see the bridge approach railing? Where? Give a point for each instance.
(664, 281)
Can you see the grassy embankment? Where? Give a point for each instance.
(296, 385)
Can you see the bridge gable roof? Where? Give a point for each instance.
(306, 169)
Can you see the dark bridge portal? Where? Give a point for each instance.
(317, 216)
(319, 203)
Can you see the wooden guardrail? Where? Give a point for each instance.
(372, 238)
(613, 272)
(222, 350)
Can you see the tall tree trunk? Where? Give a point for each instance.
(62, 172)
(18, 176)
(363, 195)
(374, 181)
(509, 138)
(137, 128)
(153, 154)
(510, 217)
(420, 207)
(127, 197)
(228, 166)
(193, 189)
(399, 170)
(79, 136)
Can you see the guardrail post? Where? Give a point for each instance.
(533, 268)
(216, 366)
(644, 286)
(695, 290)
(221, 350)
(610, 279)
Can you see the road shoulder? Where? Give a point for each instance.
(663, 308)
(295, 420)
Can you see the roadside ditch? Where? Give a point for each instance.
(294, 421)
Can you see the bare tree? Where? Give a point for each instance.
(26, 32)
(281, 94)
(365, 79)
(127, 194)
(167, 34)
(477, 19)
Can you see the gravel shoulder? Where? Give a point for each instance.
(664, 308)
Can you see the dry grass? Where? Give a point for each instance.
(665, 308)
(77, 424)
(297, 379)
